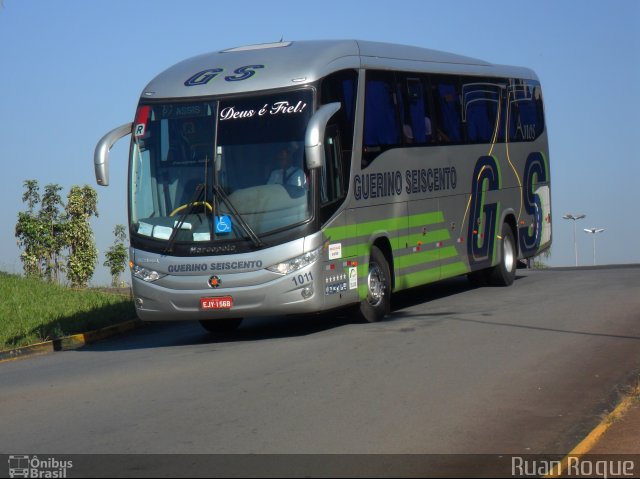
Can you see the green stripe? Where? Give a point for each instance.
(414, 259)
(435, 236)
(453, 269)
(401, 243)
(354, 250)
(499, 171)
(362, 291)
(448, 252)
(424, 219)
(426, 276)
(432, 272)
(338, 233)
(425, 257)
(419, 278)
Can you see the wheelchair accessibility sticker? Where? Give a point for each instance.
(223, 224)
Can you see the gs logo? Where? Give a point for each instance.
(205, 76)
(484, 215)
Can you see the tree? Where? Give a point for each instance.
(116, 255)
(83, 254)
(31, 196)
(54, 225)
(40, 234)
(31, 232)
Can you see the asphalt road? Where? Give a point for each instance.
(519, 370)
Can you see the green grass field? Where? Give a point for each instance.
(33, 311)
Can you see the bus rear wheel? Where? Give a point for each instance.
(377, 304)
(221, 325)
(504, 273)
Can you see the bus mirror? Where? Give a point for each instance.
(101, 154)
(313, 141)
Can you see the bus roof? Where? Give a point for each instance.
(290, 63)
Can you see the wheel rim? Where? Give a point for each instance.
(376, 285)
(509, 255)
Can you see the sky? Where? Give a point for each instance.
(71, 70)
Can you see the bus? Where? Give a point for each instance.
(303, 176)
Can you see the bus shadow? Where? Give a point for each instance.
(190, 333)
(433, 291)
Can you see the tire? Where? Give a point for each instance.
(377, 304)
(221, 325)
(504, 273)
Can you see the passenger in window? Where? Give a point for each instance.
(424, 136)
(288, 173)
(450, 129)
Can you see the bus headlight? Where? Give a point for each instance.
(297, 263)
(145, 274)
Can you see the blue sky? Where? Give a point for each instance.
(72, 70)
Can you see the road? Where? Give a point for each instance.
(456, 369)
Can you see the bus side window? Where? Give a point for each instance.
(381, 125)
(334, 175)
(341, 87)
(332, 179)
(480, 102)
(416, 123)
(446, 94)
(525, 111)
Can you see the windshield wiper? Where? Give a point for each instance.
(238, 217)
(195, 198)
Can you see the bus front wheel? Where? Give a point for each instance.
(377, 303)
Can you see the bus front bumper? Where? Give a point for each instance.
(176, 298)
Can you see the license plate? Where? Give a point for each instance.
(224, 302)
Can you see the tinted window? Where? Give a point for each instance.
(414, 112)
(446, 93)
(411, 109)
(526, 118)
(381, 125)
(341, 87)
(480, 107)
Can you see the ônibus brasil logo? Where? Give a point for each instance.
(27, 466)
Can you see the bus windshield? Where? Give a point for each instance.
(220, 170)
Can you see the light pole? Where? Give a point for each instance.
(593, 231)
(574, 218)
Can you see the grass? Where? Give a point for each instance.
(32, 311)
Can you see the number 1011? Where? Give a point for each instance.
(302, 278)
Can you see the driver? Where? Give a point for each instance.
(287, 173)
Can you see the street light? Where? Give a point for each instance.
(574, 218)
(593, 231)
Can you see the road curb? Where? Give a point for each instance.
(68, 343)
(589, 442)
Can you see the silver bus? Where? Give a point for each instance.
(299, 177)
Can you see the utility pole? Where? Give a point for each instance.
(593, 231)
(574, 218)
